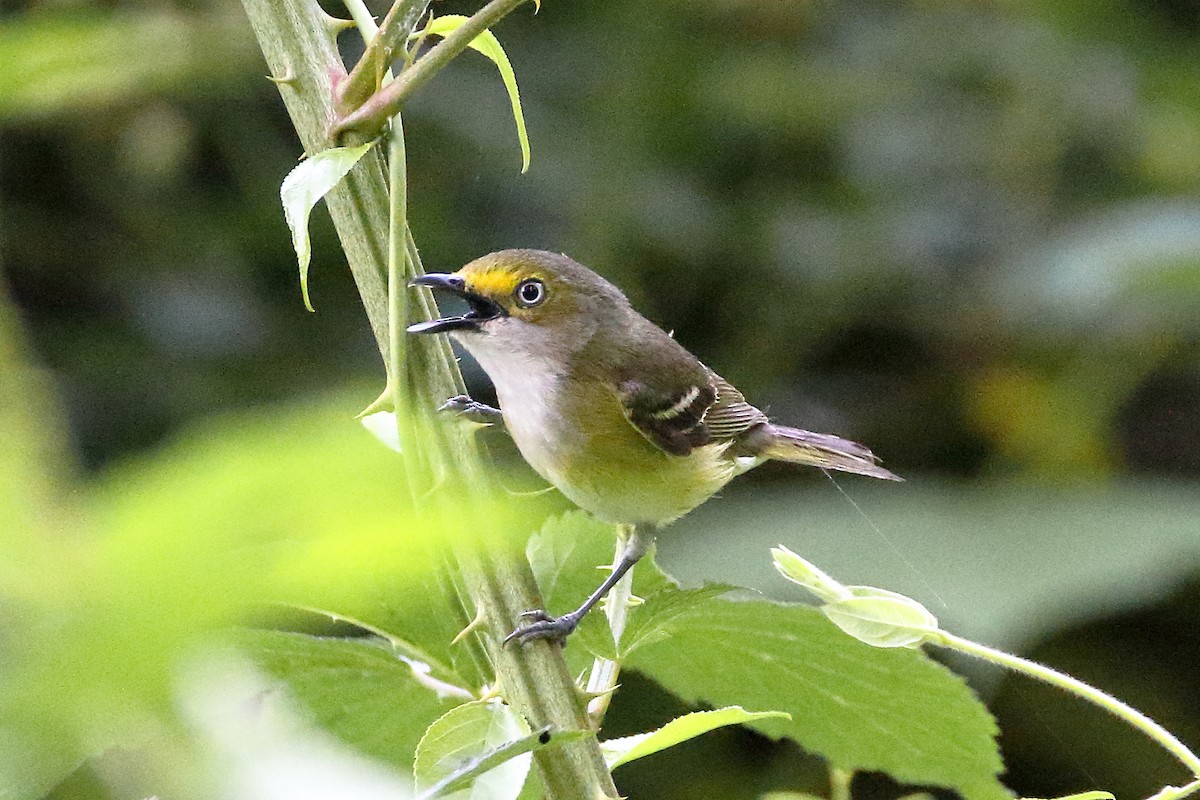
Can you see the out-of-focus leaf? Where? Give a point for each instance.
(256, 745)
(489, 45)
(74, 60)
(893, 711)
(34, 443)
(299, 505)
(304, 187)
(689, 726)
(467, 733)
(1106, 266)
(359, 690)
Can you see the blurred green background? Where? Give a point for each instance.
(965, 233)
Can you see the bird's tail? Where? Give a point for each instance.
(819, 450)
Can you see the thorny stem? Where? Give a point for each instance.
(1076, 687)
(368, 119)
(392, 35)
(398, 270)
(297, 39)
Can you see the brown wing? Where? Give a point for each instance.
(671, 418)
(682, 418)
(730, 416)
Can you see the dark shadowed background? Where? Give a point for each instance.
(965, 233)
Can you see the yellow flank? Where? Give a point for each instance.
(603, 464)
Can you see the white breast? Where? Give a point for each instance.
(528, 390)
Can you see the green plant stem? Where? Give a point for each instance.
(368, 119)
(839, 783)
(296, 37)
(362, 18)
(398, 268)
(1077, 687)
(382, 45)
(603, 678)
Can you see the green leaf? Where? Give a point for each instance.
(567, 555)
(1093, 795)
(689, 726)
(358, 690)
(464, 738)
(424, 610)
(489, 45)
(651, 621)
(860, 707)
(303, 187)
(570, 556)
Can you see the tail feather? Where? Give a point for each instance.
(819, 450)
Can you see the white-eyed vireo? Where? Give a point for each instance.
(608, 407)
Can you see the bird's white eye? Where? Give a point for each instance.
(530, 293)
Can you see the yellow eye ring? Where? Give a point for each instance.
(529, 293)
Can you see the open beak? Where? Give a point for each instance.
(482, 309)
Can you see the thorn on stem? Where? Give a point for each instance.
(287, 79)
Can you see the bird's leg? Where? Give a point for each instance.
(472, 410)
(544, 626)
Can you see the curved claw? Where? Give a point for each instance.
(466, 408)
(544, 626)
(457, 404)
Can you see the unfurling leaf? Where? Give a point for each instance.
(303, 187)
(689, 726)
(881, 618)
(489, 45)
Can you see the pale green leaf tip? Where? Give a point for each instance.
(487, 44)
(802, 571)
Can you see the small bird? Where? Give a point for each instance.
(607, 406)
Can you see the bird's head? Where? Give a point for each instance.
(523, 300)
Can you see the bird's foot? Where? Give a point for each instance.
(543, 626)
(464, 407)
